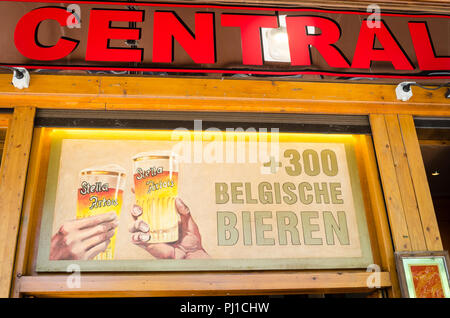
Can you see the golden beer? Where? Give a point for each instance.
(101, 191)
(156, 188)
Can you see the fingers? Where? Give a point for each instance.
(140, 238)
(136, 211)
(97, 239)
(94, 251)
(94, 220)
(139, 226)
(99, 229)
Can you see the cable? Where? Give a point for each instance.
(19, 74)
(407, 87)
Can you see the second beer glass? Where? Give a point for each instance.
(156, 188)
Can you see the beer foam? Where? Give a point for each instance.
(106, 168)
(156, 153)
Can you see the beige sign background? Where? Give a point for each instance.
(298, 214)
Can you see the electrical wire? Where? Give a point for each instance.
(19, 74)
(407, 87)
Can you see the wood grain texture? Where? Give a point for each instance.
(401, 163)
(393, 199)
(193, 94)
(34, 193)
(4, 120)
(405, 184)
(420, 183)
(381, 223)
(12, 183)
(190, 284)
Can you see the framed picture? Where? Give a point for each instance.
(147, 192)
(423, 274)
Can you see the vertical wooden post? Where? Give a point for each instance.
(420, 183)
(4, 123)
(410, 208)
(379, 214)
(393, 199)
(12, 183)
(405, 185)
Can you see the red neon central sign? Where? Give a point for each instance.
(157, 30)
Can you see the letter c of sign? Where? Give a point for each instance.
(25, 35)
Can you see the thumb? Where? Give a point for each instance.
(182, 208)
(188, 224)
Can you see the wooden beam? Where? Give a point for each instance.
(4, 123)
(193, 94)
(33, 196)
(420, 183)
(4, 120)
(12, 183)
(405, 185)
(403, 172)
(196, 284)
(393, 199)
(381, 223)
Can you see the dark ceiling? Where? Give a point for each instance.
(436, 158)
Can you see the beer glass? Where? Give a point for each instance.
(101, 191)
(156, 188)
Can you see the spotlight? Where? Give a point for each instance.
(276, 42)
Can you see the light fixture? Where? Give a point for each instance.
(435, 173)
(21, 77)
(404, 91)
(276, 42)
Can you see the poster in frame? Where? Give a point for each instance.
(423, 274)
(76, 156)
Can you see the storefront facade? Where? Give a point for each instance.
(392, 206)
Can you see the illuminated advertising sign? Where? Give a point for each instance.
(197, 38)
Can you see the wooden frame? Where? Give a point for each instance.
(362, 261)
(194, 94)
(30, 283)
(5, 118)
(200, 284)
(423, 258)
(12, 184)
(120, 93)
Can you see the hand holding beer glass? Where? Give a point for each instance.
(100, 192)
(155, 190)
(92, 234)
(166, 228)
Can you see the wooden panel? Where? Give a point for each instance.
(34, 193)
(391, 189)
(367, 196)
(2, 140)
(379, 213)
(404, 180)
(12, 183)
(4, 120)
(420, 182)
(193, 94)
(178, 284)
